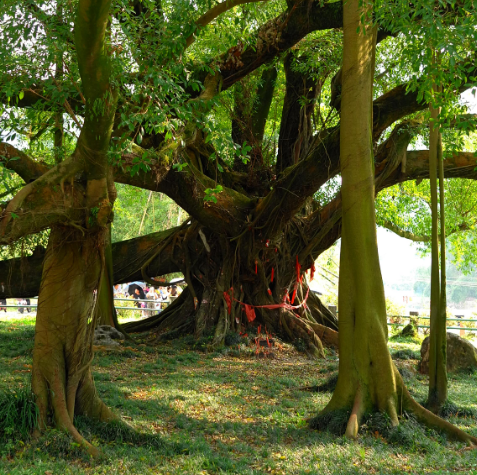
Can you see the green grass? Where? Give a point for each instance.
(191, 412)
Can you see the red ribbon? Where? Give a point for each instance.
(298, 271)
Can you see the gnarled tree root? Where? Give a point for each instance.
(64, 399)
(295, 327)
(402, 400)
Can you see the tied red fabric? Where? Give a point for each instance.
(292, 301)
(249, 312)
(228, 301)
(298, 271)
(273, 274)
(312, 271)
(275, 305)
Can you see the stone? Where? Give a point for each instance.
(409, 330)
(105, 335)
(461, 354)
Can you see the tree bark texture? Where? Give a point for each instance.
(67, 309)
(366, 379)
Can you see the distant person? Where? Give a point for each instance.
(151, 297)
(174, 294)
(3, 301)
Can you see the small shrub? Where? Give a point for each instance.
(405, 354)
(450, 409)
(300, 345)
(232, 339)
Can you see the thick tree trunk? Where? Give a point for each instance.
(366, 379)
(67, 310)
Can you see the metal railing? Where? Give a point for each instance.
(416, 317)
(162, 302)
(167, 302)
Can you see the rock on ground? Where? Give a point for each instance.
(105, 335)
(461, 354)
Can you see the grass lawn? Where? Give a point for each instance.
(228, 412)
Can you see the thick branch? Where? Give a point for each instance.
(277, 36)
(18, 161)
(187, 189)
(323, 227)
(40, 208)
(22, 276)
(298, 104)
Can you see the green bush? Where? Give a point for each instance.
(18, 417)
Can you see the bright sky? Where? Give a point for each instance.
(398, 257)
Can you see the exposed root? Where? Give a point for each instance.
(429, 419)
(58, 399)
(295, 327)
(328, 336)
(332, 418)
(356, 415)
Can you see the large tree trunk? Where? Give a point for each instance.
(67, 310)
(368, 380)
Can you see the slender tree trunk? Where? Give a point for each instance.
(368, 380)
(106, 308)
(144, 213)
(58, 130)
(438, 338)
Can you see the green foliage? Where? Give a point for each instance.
(210, 193)
(18, 417)
(161, 213)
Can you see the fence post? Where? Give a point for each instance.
(461, 331)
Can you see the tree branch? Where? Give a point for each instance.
(19, 162)
(403, 233)
(214, 12)
(22, 276)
